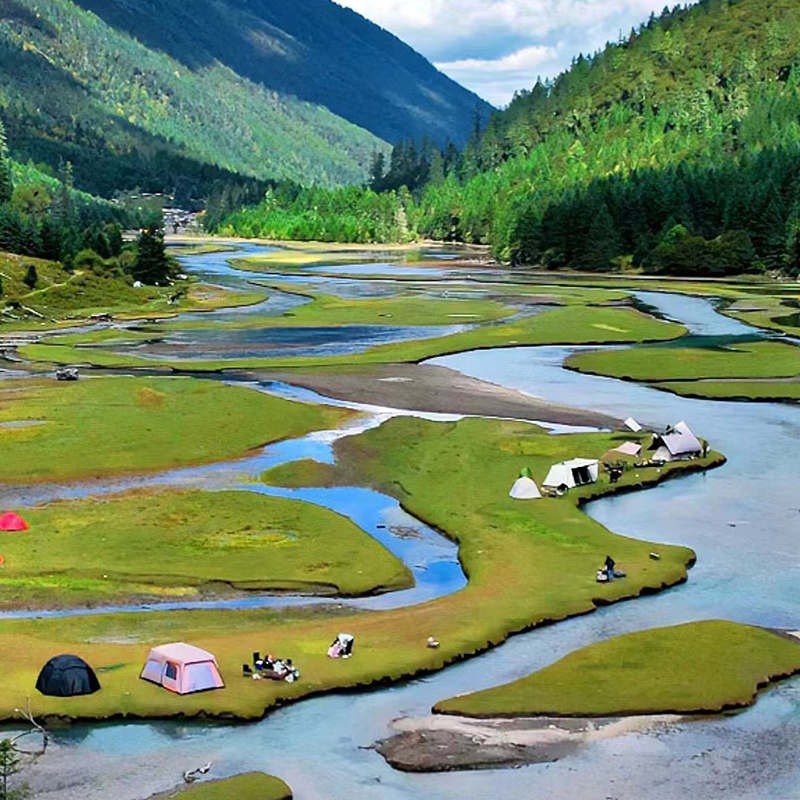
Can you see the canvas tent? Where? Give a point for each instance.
(67, 676)
(525, 487)
(677, 444)
(569, 474)
(12, 522)
(182, 668)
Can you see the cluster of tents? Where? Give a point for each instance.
(676, 443)
(178, 667)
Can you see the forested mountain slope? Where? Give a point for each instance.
(314, 50)
(690, 125)
(73, 88)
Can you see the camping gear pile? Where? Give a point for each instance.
(342, 646)
(182, 668)
(271, 668)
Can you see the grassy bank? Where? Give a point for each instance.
(150, 545)
(733, 372)
(60, 296)
(752, 360)
(576, 324)
(249, 786)
(106, 426)
(527, 563)
(330, 311)
(693, 668)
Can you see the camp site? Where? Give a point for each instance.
(399, 401)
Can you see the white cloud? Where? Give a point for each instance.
(497, 46)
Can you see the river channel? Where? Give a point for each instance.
(743, 520)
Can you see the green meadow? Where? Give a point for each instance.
(527, 563)
(699, 667)
(750, 360)
(188, 545)
(99, 427)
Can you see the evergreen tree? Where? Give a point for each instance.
(31, 277)
(151, 265)
(9, 766)
(6, 183)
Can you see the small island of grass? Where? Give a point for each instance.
(188, 545)
(248, 786)
(699, 667)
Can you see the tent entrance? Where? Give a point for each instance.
(582, 476)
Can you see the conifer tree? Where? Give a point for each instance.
(151, 265)
(6, 182)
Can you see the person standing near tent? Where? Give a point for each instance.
(610, 564)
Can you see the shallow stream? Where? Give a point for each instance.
(744, 522)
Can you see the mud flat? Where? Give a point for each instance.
(421, 387)
(445, 743)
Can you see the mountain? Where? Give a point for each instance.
(168, 95)
(688, 127)
(315, 50)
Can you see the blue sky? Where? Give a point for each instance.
(497, 46)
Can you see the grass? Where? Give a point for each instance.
(107, 426)
(329, 311)
(183, 543)
(743, 361)
(692, 668)
(528, 563)
(204, 249)
(763, 390)
(574, 324)
(249, 786)
(60, 295)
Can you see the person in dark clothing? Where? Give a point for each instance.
(610, 564)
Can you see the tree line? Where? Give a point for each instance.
(674, 149)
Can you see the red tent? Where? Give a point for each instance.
(12, 522)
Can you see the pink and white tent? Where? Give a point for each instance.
(182, 668)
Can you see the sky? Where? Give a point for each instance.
(495, 47)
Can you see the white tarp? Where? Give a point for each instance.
(525, 489)
(629, 449)
(632, 425)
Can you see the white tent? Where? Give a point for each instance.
(632, 425)
(677, 444)
(569, 474)
(525, 489)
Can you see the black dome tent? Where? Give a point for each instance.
(67, 676)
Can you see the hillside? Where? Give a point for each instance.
(149, 96)
(674, 150)
(314, 50)
(685, 131)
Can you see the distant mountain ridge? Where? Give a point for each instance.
(164, 95)
(315, 50)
